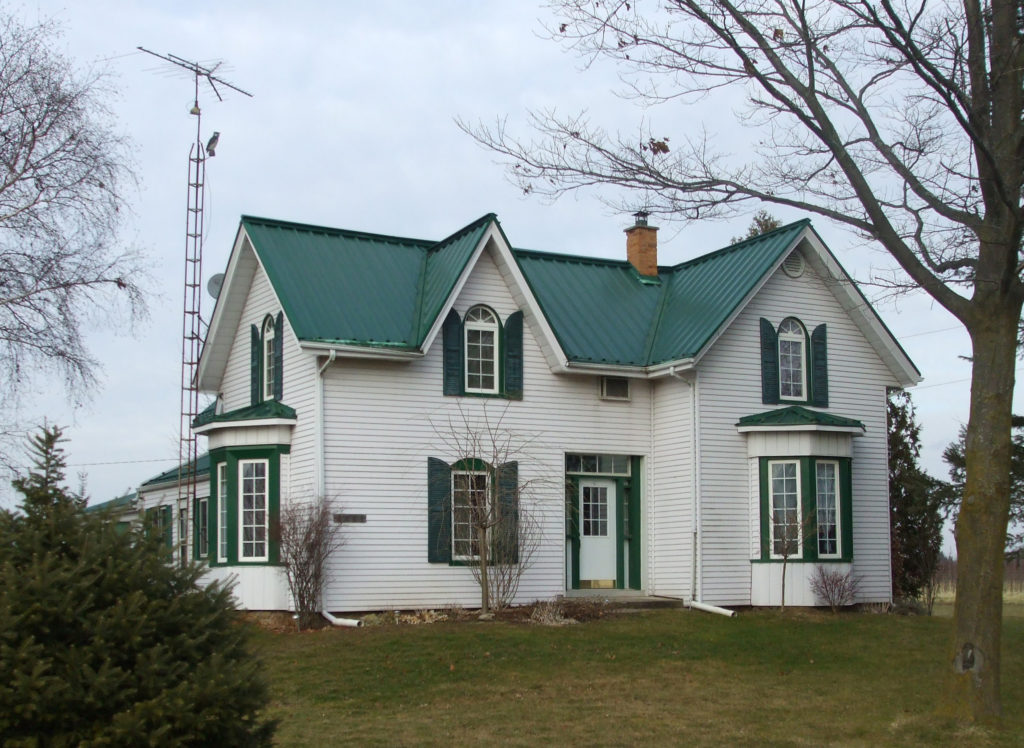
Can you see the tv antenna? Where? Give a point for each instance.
(192, 322)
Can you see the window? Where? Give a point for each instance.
(614, 388)
(183, 535)
(597, 464)
(252, 493)
(202, 527)
(792, 360)
(785, 509)
(794, 367)
(269, 348)
(594, 506)
(266, 372)
(458, 493)
(469, 510)
(222, 512)
(806, 509)
(481, 329)
(827, 493)
(482, 357)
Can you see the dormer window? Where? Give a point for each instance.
(269, 369)
(792, 360)
(481, 330)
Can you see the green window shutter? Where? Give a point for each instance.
(506, 535)
(451, 333)
(819, 367)
(279, 357)
(514, 356)
(846, 508)
(439, 511)
(254, 367)
(769, 363)
(766, 515)
(166, 517)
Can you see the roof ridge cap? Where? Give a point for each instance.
(463, 231)
(803, 222)
(333, 230)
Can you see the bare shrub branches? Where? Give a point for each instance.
(308, 537)
(834, 588)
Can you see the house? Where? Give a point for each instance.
(687, 425)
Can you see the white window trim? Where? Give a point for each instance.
(799, 511)
(269, 331)
(800, 338)
(222, 512)
(242, 558)
(487, 496)
(839, 514)
(493, 327)
(603, 389)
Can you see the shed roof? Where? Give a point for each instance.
(797, 415)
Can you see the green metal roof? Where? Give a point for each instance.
(169, 476)
(355, 288)
(611, 316)
(796, 415)
(121, 502)
(265, 409)
(365, 289)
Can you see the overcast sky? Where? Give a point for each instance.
(351, 125)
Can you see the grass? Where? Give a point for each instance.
(668, 676)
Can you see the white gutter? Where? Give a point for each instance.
(712, 609)
(695, 456)
(358, 351)
(321, 457)
(350, 622)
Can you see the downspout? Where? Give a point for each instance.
(350, 622)
(321, 456)
(696, 538)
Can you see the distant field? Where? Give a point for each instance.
(668, 676)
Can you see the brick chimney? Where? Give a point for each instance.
(642, 245)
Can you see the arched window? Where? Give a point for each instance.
(269, 369)
(792, 360)
(481, 331)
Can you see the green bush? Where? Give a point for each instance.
(104, 640)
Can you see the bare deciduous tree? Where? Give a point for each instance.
(493, 500)
(63, 171)
(307, 536)
(900, 120)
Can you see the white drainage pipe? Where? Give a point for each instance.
(712, 609)
(351, 622)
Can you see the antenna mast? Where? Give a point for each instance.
(192, 322)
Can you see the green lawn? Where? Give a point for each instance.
(668, 676)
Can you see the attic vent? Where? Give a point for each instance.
(793, 266)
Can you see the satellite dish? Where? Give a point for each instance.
(214, 284)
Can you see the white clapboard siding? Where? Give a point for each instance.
(383, 420)
(730, 388)
(670, 551)
(298, 386)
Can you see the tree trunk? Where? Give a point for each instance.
(984, 512)
(485, 587)
(782, 606)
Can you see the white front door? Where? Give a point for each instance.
(598, 537)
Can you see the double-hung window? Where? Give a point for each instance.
(222, 512)
(202, 527)
(470, 511)
(792, 360)
(481, 330)
(784, 486)
(269, 348)
(827, 495)
(253, 524)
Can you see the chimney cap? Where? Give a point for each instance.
(641, 217)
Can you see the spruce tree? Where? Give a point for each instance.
(104, 640)
(915, 500)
